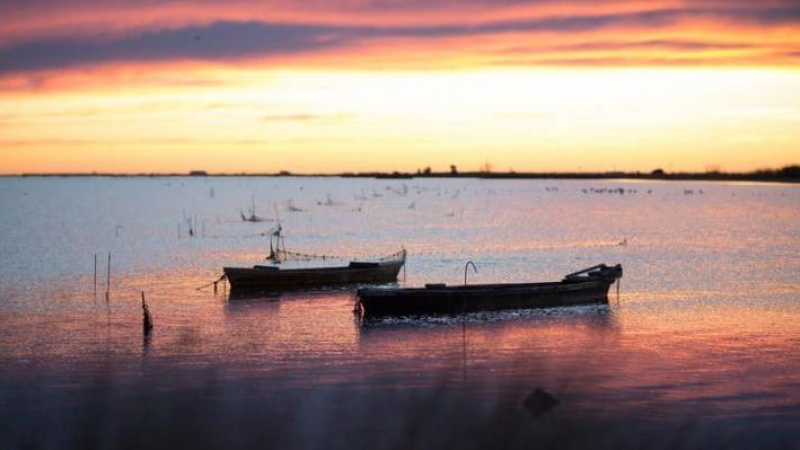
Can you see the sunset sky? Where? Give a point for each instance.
(325, 86)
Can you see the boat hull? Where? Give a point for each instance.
(270, 277)
(440, 299)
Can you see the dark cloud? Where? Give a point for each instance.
(231, 41)
(219, 41)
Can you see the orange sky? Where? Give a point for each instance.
(255, 86)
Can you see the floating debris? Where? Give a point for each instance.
(329, 202)
(291, 207)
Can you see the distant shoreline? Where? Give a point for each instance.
(789, 174)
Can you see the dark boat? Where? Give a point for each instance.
(356, 272)
(586, 286)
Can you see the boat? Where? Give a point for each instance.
(583, 287)
(272, 277)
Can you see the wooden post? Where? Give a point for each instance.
(147, 319)
(108, 275)
(95, 276)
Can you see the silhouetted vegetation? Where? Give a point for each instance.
(789, 174)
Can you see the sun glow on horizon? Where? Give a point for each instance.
(332, 86)
(315, 121)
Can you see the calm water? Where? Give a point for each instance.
(698, 349)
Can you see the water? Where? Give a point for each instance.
(697, 350)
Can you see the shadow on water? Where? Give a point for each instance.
(251, 304)
(709, 368)
(516, 379)
(247, 300)
(245, 293)
(600, 315)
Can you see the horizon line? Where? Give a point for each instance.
(788, 173)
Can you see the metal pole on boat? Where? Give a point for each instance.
(464, 318)
(466, 266)
(403, 255)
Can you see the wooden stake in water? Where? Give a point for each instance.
(108, 276)
(147, 319)
(95, 276)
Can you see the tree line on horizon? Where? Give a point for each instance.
(790, 173)
(786, 173)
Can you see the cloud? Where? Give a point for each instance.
(35, 142)
(321, 118)
(656, 44)
(322, 31)
(219, 41)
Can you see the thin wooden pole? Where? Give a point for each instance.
(147, 319)
(108, 276)
(95, 276)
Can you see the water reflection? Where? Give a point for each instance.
(249, 300)
(147, 341)
(601, 315)
(697, 352)
(492, 354)
(244, 293)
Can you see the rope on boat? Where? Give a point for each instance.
(278, 252)
(282, 255)
(213, 283)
